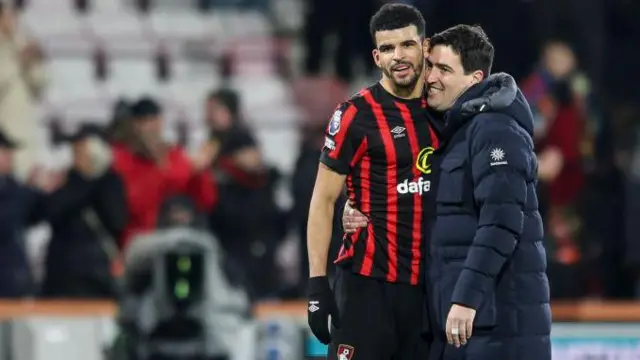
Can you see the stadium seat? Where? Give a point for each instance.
(279, 144)
(96, 110)
(111, 7)
(192, 80)
(241, 24)
(186, 68)
(129, 26)
(37, 19)
(317, 97)
(132, 77)
(129, 48)
(72, 80)
(189, 95)
(64, 47)
(181, 25)
(253, 57)
(46, 5)
(195, 43)
(261, 94)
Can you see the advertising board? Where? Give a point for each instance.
(570, 341)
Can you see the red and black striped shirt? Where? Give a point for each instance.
(383, 144)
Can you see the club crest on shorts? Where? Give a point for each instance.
(334, 124)
(345, 352)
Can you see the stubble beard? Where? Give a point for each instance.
(408, 84)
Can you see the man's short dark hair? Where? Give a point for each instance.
(396, 16)
(228, 98)
(471, 43)
(144, 107)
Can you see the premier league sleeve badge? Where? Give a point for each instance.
(334, 124)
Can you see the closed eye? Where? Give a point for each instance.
(443, 67)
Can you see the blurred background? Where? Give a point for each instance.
(157, 159)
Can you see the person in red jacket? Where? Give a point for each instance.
(154, 171)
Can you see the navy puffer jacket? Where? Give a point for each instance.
(486, 246)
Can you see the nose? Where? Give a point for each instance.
(432, 75)
(398, 53)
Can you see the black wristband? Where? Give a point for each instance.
(318, 284)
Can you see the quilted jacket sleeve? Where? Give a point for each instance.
(502, 159)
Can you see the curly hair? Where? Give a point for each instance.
(396, 16)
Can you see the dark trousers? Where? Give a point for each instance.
(378, 320)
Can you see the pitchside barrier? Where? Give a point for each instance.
(85, 330)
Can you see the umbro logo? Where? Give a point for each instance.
(313, 306)
(398, 132)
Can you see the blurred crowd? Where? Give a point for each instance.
(127, 180)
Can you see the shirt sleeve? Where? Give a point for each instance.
(502, 163)
(203, 189)
(345, 142)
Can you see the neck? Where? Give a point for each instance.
(412, 92)
(154, 152)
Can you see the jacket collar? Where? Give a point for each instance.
(496, 92)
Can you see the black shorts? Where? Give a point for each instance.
(378, 320)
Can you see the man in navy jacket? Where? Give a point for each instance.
(490, 293)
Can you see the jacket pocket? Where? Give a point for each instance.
(450, 187)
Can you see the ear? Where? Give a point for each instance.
(426, 44)
(478, 76)
(376, 57)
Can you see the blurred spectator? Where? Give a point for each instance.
(153, 170)
(222, 112)
(581, 21)
(559, 131)
(222, 119)
(302, 183)
(350, 22)
(87, 215)
(247, 220)
(20, 207)
(227, 130)
(22, 79)
(120, 124)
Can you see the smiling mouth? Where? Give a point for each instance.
(434, 90)
(400, 68)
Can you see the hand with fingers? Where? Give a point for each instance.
(352, 219)
(459, 324)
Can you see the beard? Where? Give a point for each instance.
(408, 82)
